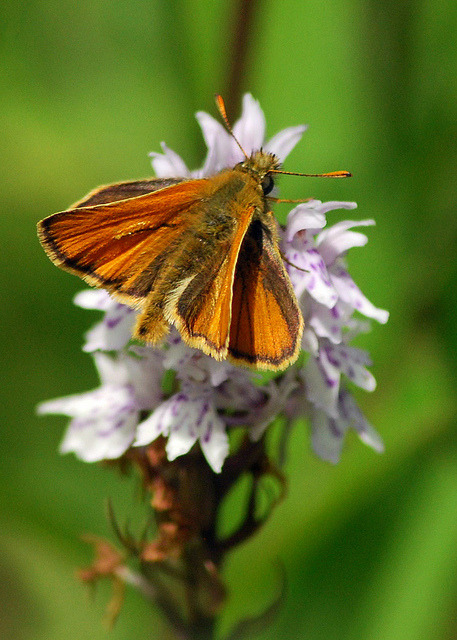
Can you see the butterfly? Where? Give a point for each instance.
(200, 254)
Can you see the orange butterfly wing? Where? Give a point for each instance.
(184, 258)
(116, 245)
(266, 323)
(202, 307)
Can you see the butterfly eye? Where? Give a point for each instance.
(267, 184)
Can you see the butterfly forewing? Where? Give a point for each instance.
(113, 245)
(266, 324)
(124, 190)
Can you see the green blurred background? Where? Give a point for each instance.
(88, 88)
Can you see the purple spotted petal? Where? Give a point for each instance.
(239, 391)
(161, 420)
(197, 419)
(103, 424)
(349, 293)
(352, 362)
(192, 364)
(311, 276)
(328, 323)
(214, 442)
(186, 417)
(113, 332)
(92, 444)
(184, 435)
(322, 379)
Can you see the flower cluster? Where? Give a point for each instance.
(207, 398)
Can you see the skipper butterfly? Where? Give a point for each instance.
(200, 254)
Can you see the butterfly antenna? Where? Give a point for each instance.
(332, 174)
(221, 107)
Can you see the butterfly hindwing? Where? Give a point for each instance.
(266, 323)
(201, 305)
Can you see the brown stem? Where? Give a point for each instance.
(182, 563)
(241, 41)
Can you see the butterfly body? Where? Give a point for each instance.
(199, 254)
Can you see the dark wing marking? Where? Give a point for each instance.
(124, 190)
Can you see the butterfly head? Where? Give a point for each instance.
(259, 165)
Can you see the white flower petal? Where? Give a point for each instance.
(283, 142)
(153, 426)
(327, 437)
(249, 130)
(369, 436)
(327, 323)
(98, 299)
(74, 405)
(103, 426)
(181, 440)
(93, 442)
(186, 417)
(168, 164)
(178, 354)
(214, 442)
(355, 418)
(165, 418)
(145, 374)
(328, 432)
(336, 240)
(219, 143)
(112, 370)
(322, 381)
(332, 205)
(309, 342)
(303, 217)
(113, 332)
(314, 279)
(351, 361)
(354, 327)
